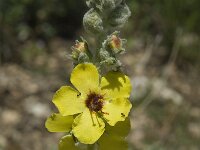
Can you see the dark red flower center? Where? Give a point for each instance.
(94, 102)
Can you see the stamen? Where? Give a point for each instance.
(105, 113)
(97, 120)
(102, 117)
(92, 119)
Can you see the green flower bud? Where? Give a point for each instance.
(80, 52)
(115, 43)
(79, 47)
(110, 4)
(119, 16)
(93, 3)
(83, 57)
(111, 62)
(93, 22)
(105, 57)
(103, 5)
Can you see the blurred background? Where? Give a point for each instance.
(162, 59)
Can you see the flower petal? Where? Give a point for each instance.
(88, 127)
(67, 143)
(85, 78)
(58, 123)
(116, 110)
(68, 101)
(116, 85)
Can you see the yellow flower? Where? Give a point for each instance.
(91, 103)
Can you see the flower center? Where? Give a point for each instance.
(94, 102)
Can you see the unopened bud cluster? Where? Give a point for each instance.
(105, 15)
(102, 19)
(111, 47)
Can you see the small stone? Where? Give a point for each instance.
(3, 142)
(194, 129)
(10, 117)
(141, 87)
(33, 106)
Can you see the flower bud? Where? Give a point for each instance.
(93, 22)
(114, 43)
(105, 57)
(111, 4)
(119, 16)
(92, 3)
(105, 5)
(109, 60)
(79, 47)
(80, 52)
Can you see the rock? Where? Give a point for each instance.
(194, 129)
(10, 117)
(140, 87)
(161, 90)
(3, 142)
(34, 107)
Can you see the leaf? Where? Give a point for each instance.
(115, 137)
(67, 143)
(121, 129)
